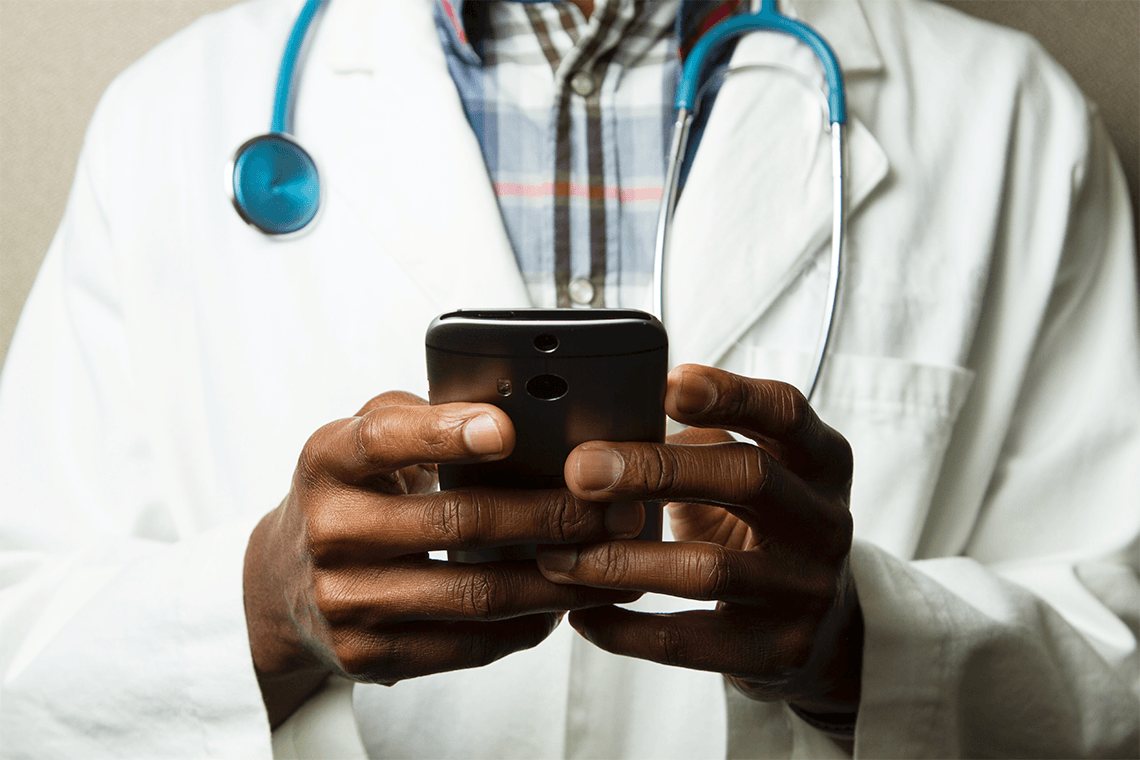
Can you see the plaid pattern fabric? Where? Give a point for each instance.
(574, 118)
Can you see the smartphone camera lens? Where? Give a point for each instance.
(546, 343)
(547, 387)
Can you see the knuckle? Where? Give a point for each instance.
(542, 625)
(329, 597)
(478, 596)
(797, 645)
(837, 538)
(367, 431)
(367, 658)
(793, 408)
(568, 523)
(531, 630)
(843, 458)
(441, 440)
(739, 399)
(312, 462)
(474, 519)
(755, 471)
(614, 563)
(321, 538)
(457, 515)
(821, 589)
(664, 475)
(483, 650)
(711, 572)
(382, 434)
(671, 647)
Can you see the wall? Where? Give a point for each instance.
(56, 58)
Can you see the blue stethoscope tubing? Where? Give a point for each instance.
(275, 185)
(687, 103)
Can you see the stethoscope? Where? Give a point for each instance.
(275, 186)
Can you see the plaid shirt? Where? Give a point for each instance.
(574, 118)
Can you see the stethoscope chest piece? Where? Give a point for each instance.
(274, 184)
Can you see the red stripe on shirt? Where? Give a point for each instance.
(714, 17)
(454, 18)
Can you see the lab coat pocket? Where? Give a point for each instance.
(898, 416)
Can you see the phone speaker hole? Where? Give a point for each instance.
(547, 387)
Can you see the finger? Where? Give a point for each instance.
(692, 436)
(699, 639)
(372, 528)
(420, 478)
(389, 438)
(435, 590)
(744, 478)
(765, 410)
(417, 649)
(391, 398)
(702, 571)
(415, 479)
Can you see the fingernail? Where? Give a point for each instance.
(623, 518)
(560, 559)
(482, 436)
(695, 393)
(599, 470)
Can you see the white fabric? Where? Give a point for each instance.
(171, 363)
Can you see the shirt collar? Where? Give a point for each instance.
(841, 22)
(467, 24)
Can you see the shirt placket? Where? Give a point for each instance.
(581, 239)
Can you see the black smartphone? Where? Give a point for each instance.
(564, 377)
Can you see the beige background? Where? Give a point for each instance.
(57, 56)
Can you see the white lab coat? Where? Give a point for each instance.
(171, 362)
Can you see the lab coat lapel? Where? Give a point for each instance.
(391, 111)
(756, 209)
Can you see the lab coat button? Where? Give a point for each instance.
(581, 291)
(582, 83)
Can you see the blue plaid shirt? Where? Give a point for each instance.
(574, 116)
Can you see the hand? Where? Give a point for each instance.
(338, 578)
(762, 529)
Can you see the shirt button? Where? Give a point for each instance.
(582, 83)
(581, 291)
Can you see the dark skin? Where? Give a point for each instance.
(586, 6)
(764, 530)
(338, 579)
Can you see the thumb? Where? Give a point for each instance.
(700, 436)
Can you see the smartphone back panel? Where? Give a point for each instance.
(563, 376)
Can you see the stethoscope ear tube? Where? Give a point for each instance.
(838, 227)
(687, 102)
(290, 60)
(767, 19)
(668, 206)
